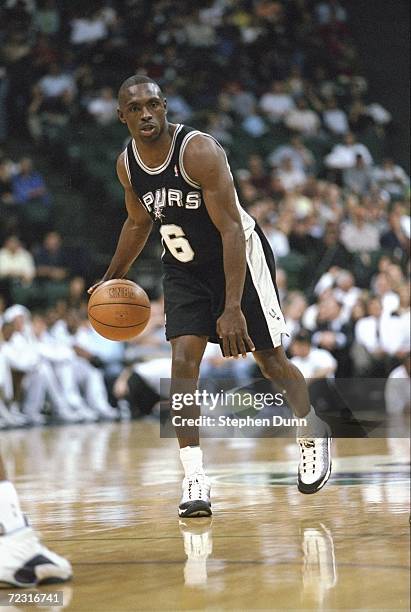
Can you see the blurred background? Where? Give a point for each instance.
(310, 100)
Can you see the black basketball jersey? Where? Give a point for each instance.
(176, 205)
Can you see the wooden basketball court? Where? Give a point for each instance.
(106, 496)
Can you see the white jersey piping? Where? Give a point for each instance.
(167, 160)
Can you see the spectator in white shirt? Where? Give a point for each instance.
(312, 362)
(56, 83)
(357, 235)
(346, 293)
(397, 391)
(335, 119)
(302, 119)
(391, 178)
(358, 178)
(89, 30)
(301, 157)
(374, 344)
(38, 380)
(290, 176)
(277, 102)
(104, 107)
(343, 155)
(382, 287)
(16, 263)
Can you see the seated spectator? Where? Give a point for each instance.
(34, 376)
(89, 29)
(312, 362)
(358, 117)
(88, 375)
(104, 107)
(54, 85)
(29, 185)
(289, 176)
(331, 333)
(16, 265)
(345, 292)
(238, 100)
(295, 305)
(382, 287)
(47, 18)
(397, 393)
(276, 103)
(372, 347)
(344, 155)
(50, 259)
(335, 119)
(391, 178)
(277, 234)
(301, 157)
(6, 183)
(397, 238)
(254, 124)
(358, 178)
(357, 234)
(46, 119)
(258, 175)
(178, 108)
(302, 119)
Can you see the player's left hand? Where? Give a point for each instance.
(232, 330)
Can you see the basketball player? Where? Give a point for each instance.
(219, 272)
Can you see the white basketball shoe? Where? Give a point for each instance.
(196, 496)
(314, 468)
(26, 563)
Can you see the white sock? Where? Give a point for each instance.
(192, 460)
(315, 427)
(11, 516)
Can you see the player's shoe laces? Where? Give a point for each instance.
(26, 563)
(196, 496)
(315, 461)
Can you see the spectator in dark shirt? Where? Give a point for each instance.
(50, 259)
(33, 201)
(29, 185)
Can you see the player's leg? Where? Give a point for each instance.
(314, 438)
(24, 562)
(266, 324)
(187, 352)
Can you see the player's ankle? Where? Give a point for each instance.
(192, 460)
(11, 516)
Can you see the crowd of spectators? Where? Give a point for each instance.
(336, 216)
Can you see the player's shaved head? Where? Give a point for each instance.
(136, 79)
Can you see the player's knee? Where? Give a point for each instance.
(273, 368)
(185, 367)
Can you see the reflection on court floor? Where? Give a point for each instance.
(106, 496)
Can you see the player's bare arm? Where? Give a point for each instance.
(134, 233)
(206, 164)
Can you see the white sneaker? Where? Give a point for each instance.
(196, 496)
(25, 562)
(315, 463)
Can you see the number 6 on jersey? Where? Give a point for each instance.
(177, 243)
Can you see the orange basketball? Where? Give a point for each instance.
(119, 309)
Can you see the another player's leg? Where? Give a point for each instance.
(187, 352)
(313, 439)
(24, 562)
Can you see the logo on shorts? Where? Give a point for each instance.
(273, 314)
